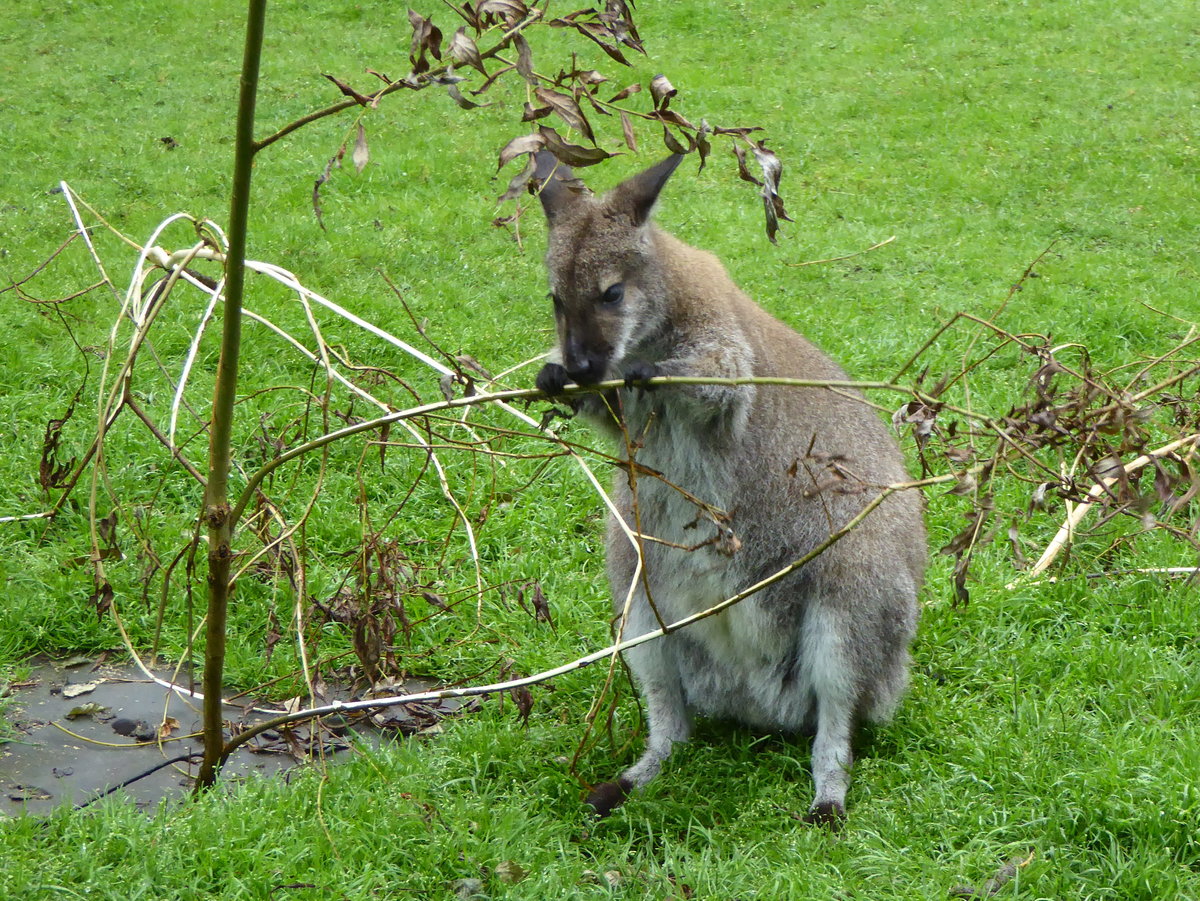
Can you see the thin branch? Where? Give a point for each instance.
(426, 79)
(846, 257)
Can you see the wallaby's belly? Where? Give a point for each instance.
(727, 673)
(743, 664)
(757, 662)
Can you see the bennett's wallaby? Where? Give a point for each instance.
(731, 485)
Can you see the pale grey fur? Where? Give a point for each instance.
(828, 646)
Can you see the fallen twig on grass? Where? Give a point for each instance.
(847, 256)
(1003, 876)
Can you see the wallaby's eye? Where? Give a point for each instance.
(614, 295)
(557, 303)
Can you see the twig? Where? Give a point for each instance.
(426, 80)
(21, 517)
(1003, 876)
(846, 257)
(192, 755)
(50, 259)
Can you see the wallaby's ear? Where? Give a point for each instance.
(637, 194)
(554, 182)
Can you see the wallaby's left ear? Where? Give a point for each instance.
(637, 194)
(553, 180)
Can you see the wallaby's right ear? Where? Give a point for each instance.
(553, 182)
(638, 194)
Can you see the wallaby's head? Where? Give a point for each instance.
(606, 283)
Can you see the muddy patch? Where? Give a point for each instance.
(80, 728)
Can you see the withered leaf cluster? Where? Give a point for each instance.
(373, 604)
(1078, 435)
(561, 106)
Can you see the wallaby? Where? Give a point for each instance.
(777, 469)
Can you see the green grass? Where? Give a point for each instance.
(1057, 718)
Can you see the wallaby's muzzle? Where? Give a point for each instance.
(585, 365)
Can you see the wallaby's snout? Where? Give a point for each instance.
(586, 355)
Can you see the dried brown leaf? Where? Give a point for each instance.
(703, 147)
(360, 99)
(463, 51)
(772, 170)
(743, 170)
(541, 607)
(573, 155)
(90, 709)
(509, 11)
(533, 113)
(463, 103)
(523, 144)
(523, 698)
(661, 90)
(510, 872)
(466, 361)
(627, 131)
(921, 416)
(672, 142)
(524, 58)
(567, 109)
(1014, 541)
(666, 115)
(335, 160)
(52, 473)
(435, 600)
(426, 36)
(75, 689)
(619, 21)
(589, 77)
(519, 183)
(102, 599)
(737, 132)
(594, 32)
(634, 88)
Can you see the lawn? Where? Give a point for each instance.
(1034, 165)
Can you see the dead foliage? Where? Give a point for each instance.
(565, 100)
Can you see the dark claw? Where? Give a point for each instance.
(827, 815)
(607, 796)
(639, 373)
(552, 379)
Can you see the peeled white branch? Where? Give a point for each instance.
(1066, 532)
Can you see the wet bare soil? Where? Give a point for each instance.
(79, 728)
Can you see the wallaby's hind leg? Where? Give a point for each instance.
(666, 712)
(835, 686)
(832, 759)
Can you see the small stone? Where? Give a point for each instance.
(466, 889)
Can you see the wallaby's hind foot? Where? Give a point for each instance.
(608, 796)
(827, 815)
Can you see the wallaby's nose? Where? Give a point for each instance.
(586, 370)
(585, 365)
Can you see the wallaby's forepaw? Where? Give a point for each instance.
(828, 815)
(637, 374)
(607, 796)
(552, 379)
